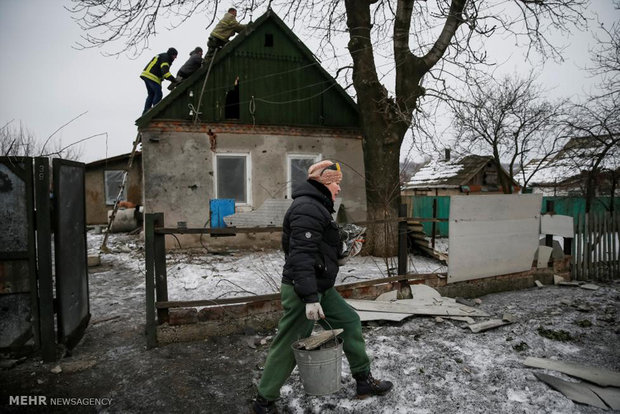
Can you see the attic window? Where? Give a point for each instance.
(231, 107)
(268, 40)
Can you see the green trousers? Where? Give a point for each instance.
(294, 325)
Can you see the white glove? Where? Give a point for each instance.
(314, 311)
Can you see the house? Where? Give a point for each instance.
(566, 173)
(103, 180)
(246, 128)
(427, 193)
(472, 174)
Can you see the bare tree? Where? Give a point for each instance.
(18, 141)
(511, 120)
(596, 123)
(429, 41)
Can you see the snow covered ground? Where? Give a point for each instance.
(196, 274)
(436, 366)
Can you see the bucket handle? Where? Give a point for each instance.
(331, 329)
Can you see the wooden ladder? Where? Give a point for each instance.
(137, 141)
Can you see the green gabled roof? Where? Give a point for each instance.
(334, 97)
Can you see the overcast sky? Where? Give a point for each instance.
(46, 82)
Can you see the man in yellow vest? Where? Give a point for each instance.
(223, 31)
(154, 73)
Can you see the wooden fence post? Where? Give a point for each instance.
(149, 258)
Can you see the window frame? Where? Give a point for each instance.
(248, 175)
(105, 187)
(289, 178)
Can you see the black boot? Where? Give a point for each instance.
(367, 385)
(264, 406)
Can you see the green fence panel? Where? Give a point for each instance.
(573, 206)
(423, 207)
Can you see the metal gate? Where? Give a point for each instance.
(18, 286)
(27, 219)
(71, 251)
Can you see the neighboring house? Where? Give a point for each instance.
(472, 174)
(566, 173)
(268, 111)
(103, 179)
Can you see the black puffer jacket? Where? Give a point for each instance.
(310, 241)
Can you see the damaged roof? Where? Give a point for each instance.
(448, 173)
(573, 159)
(281, 82)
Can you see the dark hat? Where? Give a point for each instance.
(197, 50)
(172, 52)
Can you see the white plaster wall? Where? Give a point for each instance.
(179, 172)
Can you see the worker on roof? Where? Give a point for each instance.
(190, 66)
(223, 31)
(154, 73)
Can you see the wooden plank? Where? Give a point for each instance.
(608, 257)
(417, 309)
(161, 277)
(577, 255)
(616, 256)
(276, 296)
(314, 341)
(575, 391)
(486, 325)
(598, 376)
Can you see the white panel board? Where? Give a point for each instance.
(492, 235)
(542, 258)
(557, 225)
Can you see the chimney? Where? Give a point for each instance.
(447, 154)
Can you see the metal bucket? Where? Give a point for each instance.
(320, 369)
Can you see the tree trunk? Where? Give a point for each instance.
(384, 119)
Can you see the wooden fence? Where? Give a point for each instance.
(596, 247)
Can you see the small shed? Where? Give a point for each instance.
(103, 179)
(427, 193)
(247, 126)
(472, 174)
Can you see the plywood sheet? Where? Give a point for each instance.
(598, 376)
(557, 224)
(492, 235)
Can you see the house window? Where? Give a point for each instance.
(232, 177)
(268, 40)
(113, 179)
(297, 167)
